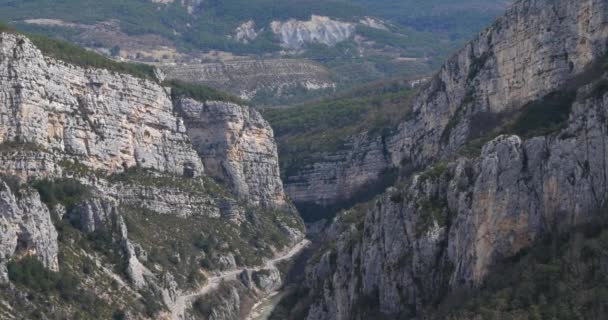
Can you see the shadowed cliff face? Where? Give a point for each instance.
(527, 103)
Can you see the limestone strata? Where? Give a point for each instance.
(120, 138)
(337, 177)
(237, 145)
(246, 78)
(106, 121)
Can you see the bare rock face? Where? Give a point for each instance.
(26, 229)
(339, 177)
(246, 32)
(295, 34)
(442, 229)
(106, 121)
(236, 145)
(533, 50)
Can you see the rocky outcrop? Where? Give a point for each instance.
(295, 34)
(26, 228)
(105, 121)
(443, 229)
(237, 146)
(533, 50)
(246, 32)
(250, 78)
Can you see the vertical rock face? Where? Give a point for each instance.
(106, 121)
(534, 49)
(26, 228)
(444, 228)
(237, 145)
(340, 176)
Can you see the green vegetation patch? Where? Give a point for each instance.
(543, 116)
(78, 56)
(67, 192)
(30, 272)
(431, 211)
(187, 245)
(180, 89)
(145, 177)
(303, 131)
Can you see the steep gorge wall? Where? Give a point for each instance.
(236, 145)
(130, 163)
(443, 229)
(536, 48)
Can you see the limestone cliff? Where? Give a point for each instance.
(106, 121)
(103, 182)
(26, 227)
(442, 229)
(236, 145)
(536, 48)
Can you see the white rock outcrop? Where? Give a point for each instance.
(294, 34)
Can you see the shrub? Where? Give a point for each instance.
(150, 302)
(13, 182)
(65, 191)
(545, 115)
(30, 272)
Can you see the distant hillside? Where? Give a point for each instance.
(357, 41)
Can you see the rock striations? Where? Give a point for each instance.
(443, 228)
(236, 145)
(106, 170)
(255, 78)
(106, 121)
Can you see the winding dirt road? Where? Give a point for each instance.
(178, 308)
